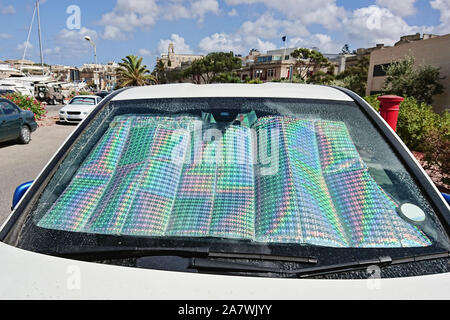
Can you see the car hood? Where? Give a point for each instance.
(78, 108)
(28, 114)
(28, 275)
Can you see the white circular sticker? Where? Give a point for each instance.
(412, 212)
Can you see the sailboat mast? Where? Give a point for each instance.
(40, 40)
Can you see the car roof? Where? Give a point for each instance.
(266, 90)
(86, 96)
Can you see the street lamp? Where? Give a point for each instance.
(88, 39)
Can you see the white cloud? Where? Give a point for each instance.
(179, 43)
(53, 51)
(324, 12)
(127, 16)
(71, 43)
(374, 25)
(401, 8)
(144, 52)
(444, 7)
(222, 42)
(236, 42)
(5, 36)
(267, 27)
(319, 40)
(177, 9)
(258, 34)
(233, 13)
(7, 9)
(21, 46)
(200, 7)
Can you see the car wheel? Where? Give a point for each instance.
(41, 95)
(25, 135)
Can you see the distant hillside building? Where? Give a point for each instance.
(279, 64)
(102, 75)
(174, 60)
(427, 50)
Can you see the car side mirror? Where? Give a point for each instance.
(446, 197)
(20, 191)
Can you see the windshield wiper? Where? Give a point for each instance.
(137, 252)
(217, 265)
(363, 264)
(95, 254)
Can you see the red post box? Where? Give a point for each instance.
(389, 108)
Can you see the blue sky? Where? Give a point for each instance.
(146, 27)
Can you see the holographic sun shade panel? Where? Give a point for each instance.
(285, 180)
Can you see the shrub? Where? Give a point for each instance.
(28, 103)
(255, 81)
(84, 93)
(437, 155)
(415, 121)
(437, 149)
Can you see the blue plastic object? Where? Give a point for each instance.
(20, 191)
(446, 197)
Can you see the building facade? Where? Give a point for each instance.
(427, 50)
(174, 60)
(280, 64)
(102, 76)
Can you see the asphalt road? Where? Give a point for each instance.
(22, 163)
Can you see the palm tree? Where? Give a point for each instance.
(160, 71)
(133, 73)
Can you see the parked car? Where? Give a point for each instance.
(49, 93)
(270, 191)
(78, 108)
(13, 88)
(15, 123)
(4, 92)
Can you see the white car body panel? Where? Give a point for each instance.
(29, 275)
(266, 90)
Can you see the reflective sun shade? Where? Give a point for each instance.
(282, 180)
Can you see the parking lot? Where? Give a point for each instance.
(22, 163)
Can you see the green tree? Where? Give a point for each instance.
(227, 77)
(321, 78)
(133, 73)
(208, 69)
(355, 77)
(309, 61)
(407, 80)
(160, 71)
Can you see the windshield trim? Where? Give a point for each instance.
(51, 168)
(47, 173)
(429, 190)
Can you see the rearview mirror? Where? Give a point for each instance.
(20, 191)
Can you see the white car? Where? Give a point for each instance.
(78, 108)
(229, 191)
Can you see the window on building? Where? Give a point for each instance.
(379, 70)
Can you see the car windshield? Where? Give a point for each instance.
(239, 174)
(83, 101)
